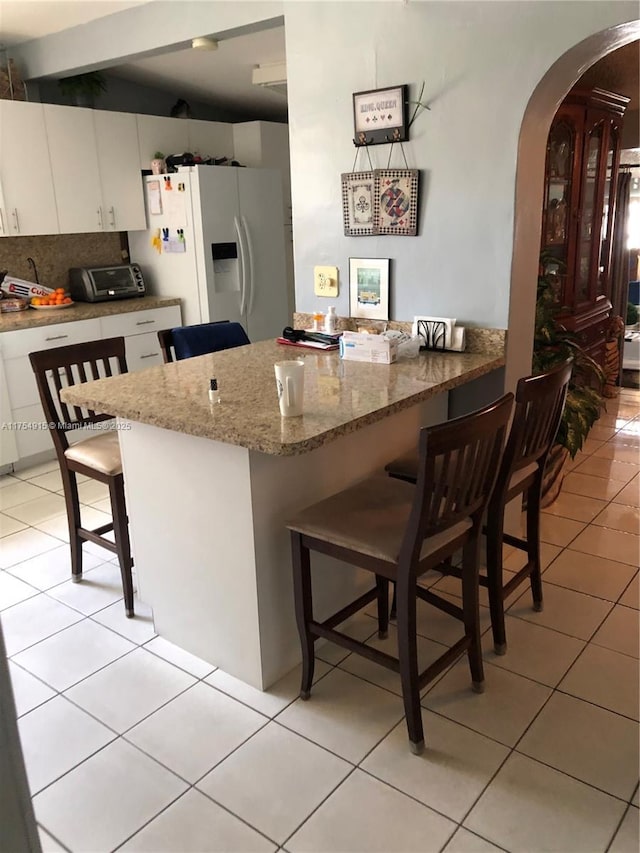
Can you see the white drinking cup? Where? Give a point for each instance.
(290, 385)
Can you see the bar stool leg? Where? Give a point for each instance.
(408, 659)
(72, 501)
(382, 585)
(123, 548)
(471, 610)
(494, 533)
(304, 609)
(533, 542)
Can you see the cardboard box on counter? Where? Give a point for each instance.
(357, 346)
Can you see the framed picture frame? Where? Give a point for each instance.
(357, 203)
(396, 202)
(369, 288)
(380, 116)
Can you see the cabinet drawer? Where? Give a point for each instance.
(140, 322)
(24, 341)
(143, 351)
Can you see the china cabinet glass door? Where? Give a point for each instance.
(557, 202)
(607, 215)
(589, 224)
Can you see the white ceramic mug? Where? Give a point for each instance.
(290, 385)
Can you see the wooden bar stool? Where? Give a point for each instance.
(398, 531)
(539, 403)
(97, 457)
(189, 341)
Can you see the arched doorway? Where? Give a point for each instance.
(534, 130)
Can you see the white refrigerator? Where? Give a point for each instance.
(216, 240)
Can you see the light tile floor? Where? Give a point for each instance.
(132, 744)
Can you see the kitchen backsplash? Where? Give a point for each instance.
(54, 254)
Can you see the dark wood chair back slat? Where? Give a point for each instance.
(457, 465)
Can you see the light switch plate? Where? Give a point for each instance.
(325, 281)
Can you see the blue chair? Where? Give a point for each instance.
(189, 341)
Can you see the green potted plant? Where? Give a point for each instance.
(83, 89)
(552, 345)
(158, 164)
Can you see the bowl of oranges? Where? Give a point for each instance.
(58, 299)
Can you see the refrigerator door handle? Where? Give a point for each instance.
(243, 276)
(247, 234)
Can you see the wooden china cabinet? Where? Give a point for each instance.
(583, 154)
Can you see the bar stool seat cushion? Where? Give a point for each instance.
(102, 452)
(371, 518)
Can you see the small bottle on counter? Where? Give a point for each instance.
(214, 394)
(318, 321)
(330, 321)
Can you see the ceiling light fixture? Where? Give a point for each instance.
(204, 43)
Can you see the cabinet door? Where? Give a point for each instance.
(8, 444)
(143, 351)
(210, 138)
(120, 178)
(156, 133)
(74, 163)
(29, 205)
(611, 160)
(591, 201)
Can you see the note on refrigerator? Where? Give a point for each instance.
(154, 198)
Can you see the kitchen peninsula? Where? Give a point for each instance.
(210, 485)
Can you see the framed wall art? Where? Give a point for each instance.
(369, 288)
(380, 116)
(396, 202)
(357, 203)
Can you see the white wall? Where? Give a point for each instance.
(481, 62)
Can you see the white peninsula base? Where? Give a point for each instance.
(212, 553)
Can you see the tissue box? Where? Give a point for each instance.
(356, 346)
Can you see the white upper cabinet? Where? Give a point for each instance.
(210, 138)
(120, 178)
(27, 200)
(167, 135)
(74, 164)
(94, 161)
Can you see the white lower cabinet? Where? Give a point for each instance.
(18, 390)
(144, 351)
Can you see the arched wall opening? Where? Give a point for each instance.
(532, 143)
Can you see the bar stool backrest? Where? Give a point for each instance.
(62, 367)
(457, 466)
(539, 405)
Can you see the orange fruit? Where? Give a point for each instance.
(67, 300)
(59, 290)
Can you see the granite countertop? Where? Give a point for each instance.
(14, 320)
(339, 397)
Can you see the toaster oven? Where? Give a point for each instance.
(100, 284)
